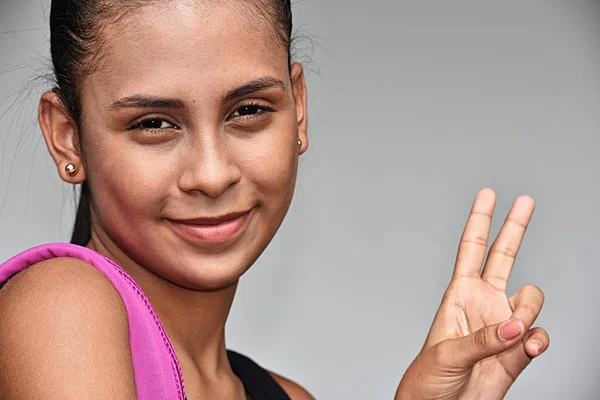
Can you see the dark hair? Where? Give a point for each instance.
(76, 45)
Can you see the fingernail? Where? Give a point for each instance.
(537, 345)
(509, 330)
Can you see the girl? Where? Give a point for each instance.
(183, 120)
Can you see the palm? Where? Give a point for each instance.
(481, 304)
(476, 300)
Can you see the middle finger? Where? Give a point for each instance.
(502, 254)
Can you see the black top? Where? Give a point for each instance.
(259, 384)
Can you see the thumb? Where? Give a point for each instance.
(484, 343)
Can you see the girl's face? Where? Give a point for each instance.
(190, 138)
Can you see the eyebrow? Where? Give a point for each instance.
(140, 101)
(266, 82)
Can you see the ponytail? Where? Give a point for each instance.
(82, 232)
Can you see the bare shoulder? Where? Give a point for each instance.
(294, 390)
(64, 334)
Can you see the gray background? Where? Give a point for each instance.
(414, 106)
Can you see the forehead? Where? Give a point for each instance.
(181, 44)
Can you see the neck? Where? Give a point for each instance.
(194, 320)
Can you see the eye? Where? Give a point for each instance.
(248, 111)
(153, 124)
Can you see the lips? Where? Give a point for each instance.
(211, 220)
(212, 230)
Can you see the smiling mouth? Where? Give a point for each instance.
(212, 229)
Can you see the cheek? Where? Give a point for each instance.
(272, 165)
(126, 182)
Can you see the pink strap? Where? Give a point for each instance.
(155, 365)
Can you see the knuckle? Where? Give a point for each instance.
(521, 225)
(438, 355)
(475, 239)
(441, 356)
(499, 282)
(535, 292)
(541, 335)
(482, 340)
(529, 311)
(506, 251)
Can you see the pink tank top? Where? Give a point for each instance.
(155, 364)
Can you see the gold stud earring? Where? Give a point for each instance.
(299, 143)
(71, 169)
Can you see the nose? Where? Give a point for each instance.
(209, 167)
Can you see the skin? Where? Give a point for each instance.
(467, 354)
(203, 160)
(52, 329)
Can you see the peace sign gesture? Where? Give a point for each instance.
(481, 339)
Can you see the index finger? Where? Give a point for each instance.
(474, 241)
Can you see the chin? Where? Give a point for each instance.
(211, 279)
(198, 266)
(210, 272)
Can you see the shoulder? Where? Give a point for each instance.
(293, 390)
(63, 326)
(61, 285)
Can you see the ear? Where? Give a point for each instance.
(299, 88)
(61, 136)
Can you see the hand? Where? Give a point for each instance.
(480, 340)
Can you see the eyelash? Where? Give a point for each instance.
(260, 108)
(139, 125)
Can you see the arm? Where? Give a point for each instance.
(64, 335)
